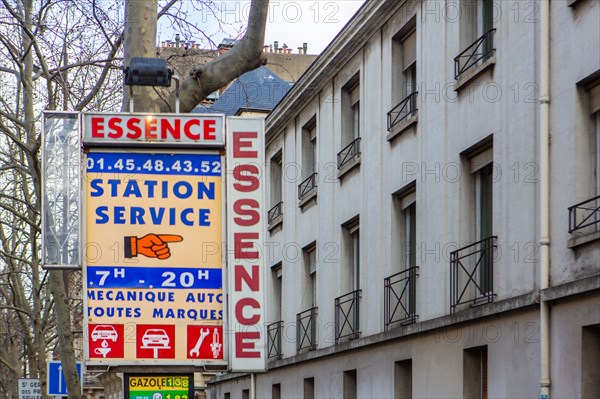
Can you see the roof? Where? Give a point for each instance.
(257, 90)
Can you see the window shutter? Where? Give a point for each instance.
(408, 199)
(409, 50)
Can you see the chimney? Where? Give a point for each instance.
(276, 46)
(266, 48)
(192, 44)
(177, 38)
(168, 43)
(299, 50)
(304, 48)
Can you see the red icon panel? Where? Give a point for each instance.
(106, 341)
(205, 342)
(155, 341)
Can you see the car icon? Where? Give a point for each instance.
(104, 332)
(155, 337)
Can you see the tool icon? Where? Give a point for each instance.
(216, 346)
(195, 352)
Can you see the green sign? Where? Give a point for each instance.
(159, 386)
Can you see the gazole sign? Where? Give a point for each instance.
(153, 227)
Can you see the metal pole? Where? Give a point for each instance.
(252, 386)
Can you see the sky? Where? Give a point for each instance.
(315, 22)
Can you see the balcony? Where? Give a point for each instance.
(275, 215)
(347, 321)
(404, 110)
(274, 331)
(307, 189)
(348, 154)
(478, 52)
(400, 298)
(306, 330)
(472, 274)
(584, 214)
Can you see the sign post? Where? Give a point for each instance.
(30, 388)
(57, 385)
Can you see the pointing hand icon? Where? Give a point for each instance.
(150, 245)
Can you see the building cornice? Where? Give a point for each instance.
(364, 24)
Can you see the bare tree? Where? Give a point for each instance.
(68, 55)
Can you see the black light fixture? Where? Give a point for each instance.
(148, 72)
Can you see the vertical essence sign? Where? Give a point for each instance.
(245, 235)
(153, 233)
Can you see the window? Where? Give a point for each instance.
(595, 111)
(475, 373)
(276, 391)
(276, 274)
(309, 299)
(309, 388)
(350, 391)
(226, 395)
(246, 394)
(352, 239)
(403, 379)
(476, 34)
(309, 160)
(406, 211)
(590, 367)
(404, 75)
(350, 121)
(276, 177)
(347, 306)
(483, 220)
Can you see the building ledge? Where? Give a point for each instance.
(466, 78)
(572, 288)
(583, 239)
(348, 166)
(309, 198)
(275, 223)
(402, 127)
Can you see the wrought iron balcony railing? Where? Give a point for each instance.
(472, 274)
(307, 186)
(349, 152)
(306, 330)
(481, 49)
(406, 108)
(274, 331)
(584, 214)
(399, 298)
(347, 321)
(275, 212)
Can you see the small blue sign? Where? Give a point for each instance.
(57, 386)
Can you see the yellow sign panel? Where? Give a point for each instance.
(153, 258)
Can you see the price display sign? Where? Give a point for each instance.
(159, 386)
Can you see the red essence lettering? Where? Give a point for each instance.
(247, 178)
(209, 129)
(239, 311)
(114, 128)
(241, 274)
(242, 245)
(244, 343)
(248, 216)
(187, 129)
(135, 132)
(97, 128)
(243, 140)
(150, 132)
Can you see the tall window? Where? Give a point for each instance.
(309, 299)
(276, 178)
(309, 388)
(477, 17)
(351, 111)
(482, 170)
(403, 379)
(350, 391)
(595, 111)
(276, 273)
(404, 75)
(309, 148)
(353, 256)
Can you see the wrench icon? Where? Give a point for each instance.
(195, 352)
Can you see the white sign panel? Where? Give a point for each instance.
(30, 388)
(153, 129)
(245, 237)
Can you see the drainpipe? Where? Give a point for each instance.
(544, 197)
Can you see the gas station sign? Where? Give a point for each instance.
(159, 386)
(153, 255)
